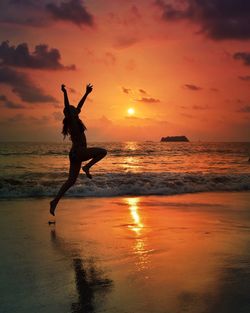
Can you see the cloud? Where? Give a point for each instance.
(23, 12)
(9, 104)
(244, 109)
(217, 19)
(171, 12)
(41, 58)
(192, 87)
(245, 78)
(143, 95)
(243, 56)
(23, 86)
(128, 18)
(142, 91)
(214, 89)
(73, 11)
(148, 100)
(126, 90)
(44, 13)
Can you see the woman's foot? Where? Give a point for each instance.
(86, 171)
(53, 205)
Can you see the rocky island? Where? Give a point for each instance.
(174, 139)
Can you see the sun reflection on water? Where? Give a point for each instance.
(131, 145)
(131, 162)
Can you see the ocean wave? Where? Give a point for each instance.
(121, 184)
(145, 149)
(114, 153)
(34, 153)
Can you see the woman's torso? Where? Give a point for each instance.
(77, 135)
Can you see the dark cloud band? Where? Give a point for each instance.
(23, 86)
(148, 100)
(10, 104)
(73, 11)
(43, 13)
(218, 19)
(41, 58)
(192, 87)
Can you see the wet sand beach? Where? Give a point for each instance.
(183, 253)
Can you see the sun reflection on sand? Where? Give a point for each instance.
(140, 248)
(137, 225)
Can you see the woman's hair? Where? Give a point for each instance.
(66, 130)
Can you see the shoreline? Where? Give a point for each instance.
(125, 195)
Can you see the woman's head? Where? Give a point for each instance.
(73, 112)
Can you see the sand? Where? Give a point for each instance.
(185, 253)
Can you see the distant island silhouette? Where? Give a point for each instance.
(174, 139)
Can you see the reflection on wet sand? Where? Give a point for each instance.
(164, 254)
(137, 225)
(196, 266)
(140, 245)
(90, 284)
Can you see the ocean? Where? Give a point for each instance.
(130, 168)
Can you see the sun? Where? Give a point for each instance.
(131, 111)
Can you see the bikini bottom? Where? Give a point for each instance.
(75, 154)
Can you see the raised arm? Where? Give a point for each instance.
(89, 88)
(66, 99)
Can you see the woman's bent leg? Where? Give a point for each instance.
(95, 154)
(73, 174)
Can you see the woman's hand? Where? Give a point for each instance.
(89, 88)
(63, 88)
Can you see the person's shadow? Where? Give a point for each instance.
(90, 283)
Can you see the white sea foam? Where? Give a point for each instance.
(118, 184)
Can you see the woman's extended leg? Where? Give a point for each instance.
(95, 154)
(73, 174)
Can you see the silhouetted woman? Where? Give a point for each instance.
(73, 126)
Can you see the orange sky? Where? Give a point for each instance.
(181, 72)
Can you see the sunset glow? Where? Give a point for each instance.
(125, 156)
(184, 73)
